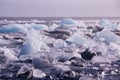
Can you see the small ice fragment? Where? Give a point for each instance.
(38, 73)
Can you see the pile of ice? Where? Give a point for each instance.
(41, 53)
(13, 28)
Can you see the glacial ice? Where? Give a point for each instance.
(59, 43)
(53, 27)
(106, 24)
(39, 26)
(38, 73)
(114, 49)
(72, 25)
(13, 28)
(9, 54)
(77, 39)
(41, 53)
(108, 36)
(32, 44)
(118, 27)
(68, 22)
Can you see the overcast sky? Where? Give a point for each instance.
(60, 8)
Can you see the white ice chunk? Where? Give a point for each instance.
(25, 68)
(77, 39)
(53, 27)
(59, 43)
(61, 68)
(72, 54)
(107, 24)
(32, 44)
(44, 47)
(48, 40)
(39, 26)
(38, 73)
(109, 36)
(13, 28)
(28, 26)
(114, 49)
(72, 25)
(118, 27)
(9, 54)
(68, 22)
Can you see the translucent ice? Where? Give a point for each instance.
(77, 39)
(72, 25)
(59, 43)
(108, 36)
(53, 27)
(107, 24)
(68, 22)
(39, 26)
(114, 49)
(32, 44)
(13, 28)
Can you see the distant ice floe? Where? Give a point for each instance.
(108, 36)
(72, 25)
(106, 24)
(13, 28)
(39, 26)
(36, 26)
(69, 22)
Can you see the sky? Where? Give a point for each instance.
(59, 8)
